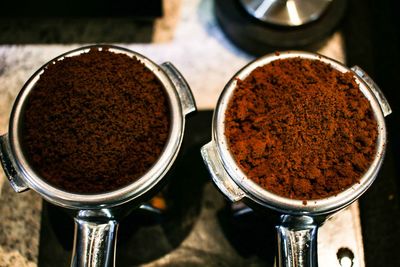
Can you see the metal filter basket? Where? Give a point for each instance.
(298, 223)
(95, 214)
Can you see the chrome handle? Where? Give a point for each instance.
(13, 176)
(219, 175)
(384, 104)
(95, 239)
(297, 242)
(182, 87)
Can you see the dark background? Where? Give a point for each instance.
(371, 41)
(75, 21)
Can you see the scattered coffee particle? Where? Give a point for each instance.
(301, 129)
(95, 122)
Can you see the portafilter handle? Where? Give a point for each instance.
(297, 241)
(94, 239)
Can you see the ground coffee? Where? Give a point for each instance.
(301, 129)
(95, 122)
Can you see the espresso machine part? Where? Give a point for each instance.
(96, 215)
(297, 224)
(286, 12)
(264, 26)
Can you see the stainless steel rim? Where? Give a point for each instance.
(268, 199)
(116, 197)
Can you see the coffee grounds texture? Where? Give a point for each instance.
(95, 122)
(301, 129)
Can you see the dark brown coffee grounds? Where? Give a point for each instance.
(301, 129)
(95, 122)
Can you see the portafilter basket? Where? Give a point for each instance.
(95, 214)
(298, 223)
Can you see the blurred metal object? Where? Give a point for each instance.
(286, 12)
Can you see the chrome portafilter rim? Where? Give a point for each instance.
(273, 201)
(113, 198)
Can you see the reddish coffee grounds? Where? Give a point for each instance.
(95, 122)
(301, 129)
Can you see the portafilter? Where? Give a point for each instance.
(96, 215)
(298, 223)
